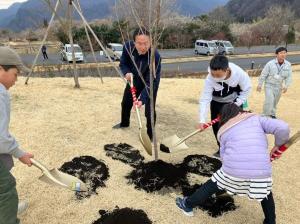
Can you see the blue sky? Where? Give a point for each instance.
(4, 4)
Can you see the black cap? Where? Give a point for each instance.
(279, 49)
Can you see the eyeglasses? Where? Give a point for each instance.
(146, 44)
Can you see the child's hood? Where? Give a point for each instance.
(232, 122)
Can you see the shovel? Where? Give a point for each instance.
(283, 148)
(143, 136)
(58, 178)
(174, 143)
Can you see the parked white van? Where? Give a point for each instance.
(224, 46)
(206, 47)
(66, 53)
(114, 51)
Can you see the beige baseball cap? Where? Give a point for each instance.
(9, 56)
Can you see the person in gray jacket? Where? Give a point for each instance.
(277, 77)
(10, 66)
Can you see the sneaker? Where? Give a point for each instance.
(22, 207)
(180, 202)
(119, 126)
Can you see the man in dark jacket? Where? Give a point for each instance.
(134, 63)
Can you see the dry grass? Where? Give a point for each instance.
(57, 123)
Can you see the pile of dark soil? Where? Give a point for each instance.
(201, 165)
(125, 153)
(215, 205)
(155, 175)
(123, 216)
(91, 171)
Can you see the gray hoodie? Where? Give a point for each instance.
(8, 145)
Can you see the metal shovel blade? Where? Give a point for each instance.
(173, 143)
(143, 136)
(57, 178)
(145, 140)
(73, 183)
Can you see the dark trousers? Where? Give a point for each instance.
(127, 104)
(8, 197)
(210, 188)
(215, 109)
(45, 55)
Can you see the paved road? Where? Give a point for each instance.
(190, 67)
(184, 67)
(176, 53)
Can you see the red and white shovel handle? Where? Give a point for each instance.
(214, 121)
(278, 152)
(133, 93)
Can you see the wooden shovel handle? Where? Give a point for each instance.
(39, 165)
(284, 147)
(207, 125)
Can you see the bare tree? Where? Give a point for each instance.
(269, 30)
(70, 19)
(153, 15)
(138, 12)
(248, 39)
(271, 27)
(221, 14)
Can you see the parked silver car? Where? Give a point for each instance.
(224, 47)
(114, 51)
(66, 53)
(205, 47)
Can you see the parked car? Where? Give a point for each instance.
(114, 51)
(66, 53)
(206, 47)
(224, 46)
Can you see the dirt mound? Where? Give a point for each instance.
(201, 165)
(91, 171)
(124, 153)
(155, 175)
(123, 216)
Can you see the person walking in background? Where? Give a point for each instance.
(277, 77)
(44, 51)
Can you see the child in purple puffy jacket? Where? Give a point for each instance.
(246, 167)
